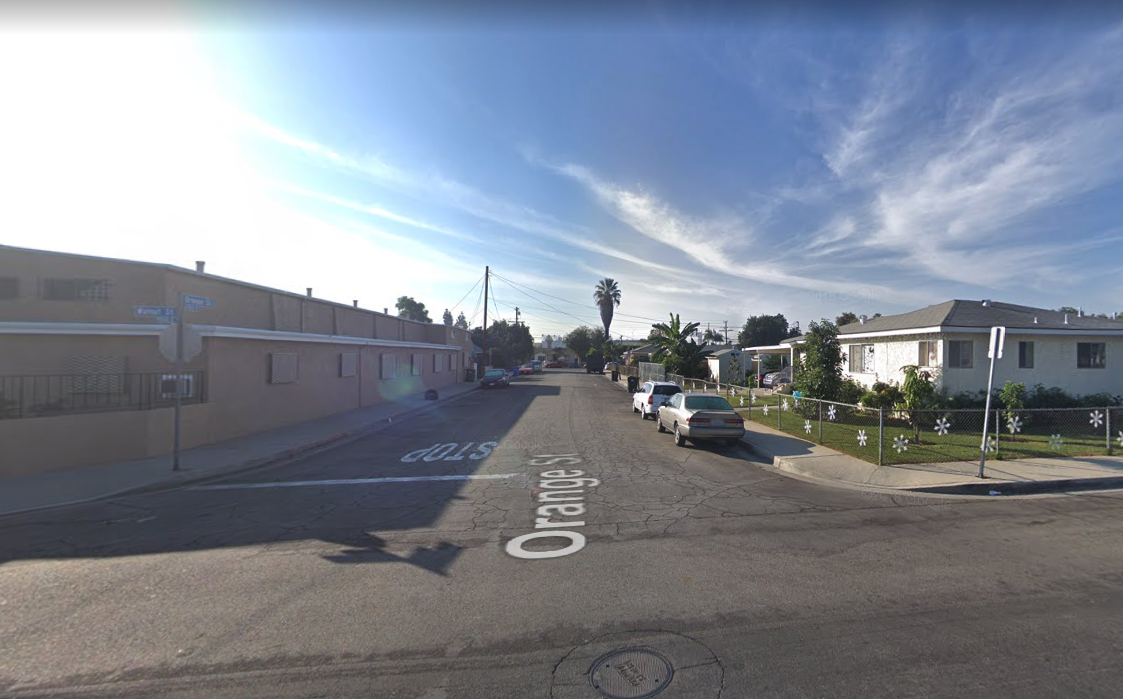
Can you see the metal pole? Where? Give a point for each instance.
(178, 382)
(820, 422)
(487, 357)
(880, 435)
(986, 419)
(780, 414)
(1108, 433)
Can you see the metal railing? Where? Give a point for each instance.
(46, 395)
(890, 436)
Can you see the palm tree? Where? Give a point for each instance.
(676, 348)
(607, 297)
(713, 337)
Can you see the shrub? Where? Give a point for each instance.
(851, 392)
(966, 399)
(882, 395)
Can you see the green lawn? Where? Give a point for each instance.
(842, 434)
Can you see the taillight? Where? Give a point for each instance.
(651, 399)
(697, 420)
(734, 421)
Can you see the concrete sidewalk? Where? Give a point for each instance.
(25, 493)
(814, 462)
(808, 460)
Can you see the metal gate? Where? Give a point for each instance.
(650, 371)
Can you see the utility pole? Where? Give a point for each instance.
(487, 358)
(726, 335)
(516, 315)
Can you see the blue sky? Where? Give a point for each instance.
(715, 166)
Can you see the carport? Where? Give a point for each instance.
(786, 349)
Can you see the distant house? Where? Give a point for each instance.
(721, 364)
(1077, 353)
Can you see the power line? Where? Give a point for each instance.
(516, 288)
(466, 294)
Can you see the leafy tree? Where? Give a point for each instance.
(580, 340)
(846, 318)
(607, 297)
(736, 375)
(917, 393)
(461, 321)
(764, 330)
(676, 349)
(794, 331)
(1068, 309)
(1013, 397)
(507, 343)
(820, 372)
(712, 336)
(447, 317)
(408, 308)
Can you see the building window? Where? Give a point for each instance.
(284, 367)
(1025, 355)
(861, 359)
(389, 366)
(9, 287)
(961, 354)
(348, 364)
(926, 353)
(1091, 355)
(76, 289)
(415, 364)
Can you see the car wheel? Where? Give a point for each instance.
(659, 424)
(680, 441)
(634, 408)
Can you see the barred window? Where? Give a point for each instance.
(9, 287)
(284, 367)
(861, 359)
(389, 366)
(57, 289)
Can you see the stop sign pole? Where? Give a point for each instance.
(994, 351)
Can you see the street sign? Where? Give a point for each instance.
(164, 314)
(997, 340)
(196, 303)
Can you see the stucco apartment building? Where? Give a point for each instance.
(83, 380)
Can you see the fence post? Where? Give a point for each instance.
(997, 434)
(820, 403)
(780, 414)
(1108, 433)
(880, 435)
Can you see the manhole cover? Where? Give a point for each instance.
(631, 674)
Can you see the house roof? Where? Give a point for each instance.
(961, 313)
(723, 352)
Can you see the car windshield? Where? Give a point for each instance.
(707, 403)
(666, 390)
(494, 372)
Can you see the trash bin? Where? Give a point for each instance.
(633, 384)
(470, 374)
(615, 374)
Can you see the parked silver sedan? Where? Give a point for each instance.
(698, 417)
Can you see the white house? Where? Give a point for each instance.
(720, 363)
(1077, 353)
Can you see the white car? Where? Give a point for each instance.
(651, 396)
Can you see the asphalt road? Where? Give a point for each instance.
(318, 578)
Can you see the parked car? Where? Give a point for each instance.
(556, 365)
(495, 378)
(651, 396)
(527, 368)
(699, 417)
(778, 378)
(537, 365)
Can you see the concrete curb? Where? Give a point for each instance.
(973, 489)
(177, 480)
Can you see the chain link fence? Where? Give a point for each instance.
(894, 437)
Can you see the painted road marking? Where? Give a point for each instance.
(443, 452)
(552, 486)
(352, 481)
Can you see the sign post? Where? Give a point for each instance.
(994, 352)
(187, 302)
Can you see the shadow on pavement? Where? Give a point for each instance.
(198, 518)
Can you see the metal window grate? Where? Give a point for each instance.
(9, 287)
(95, 375)
(389, 366)
(284, 367)
(415, 364)
(58, 289)
(348, 364)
